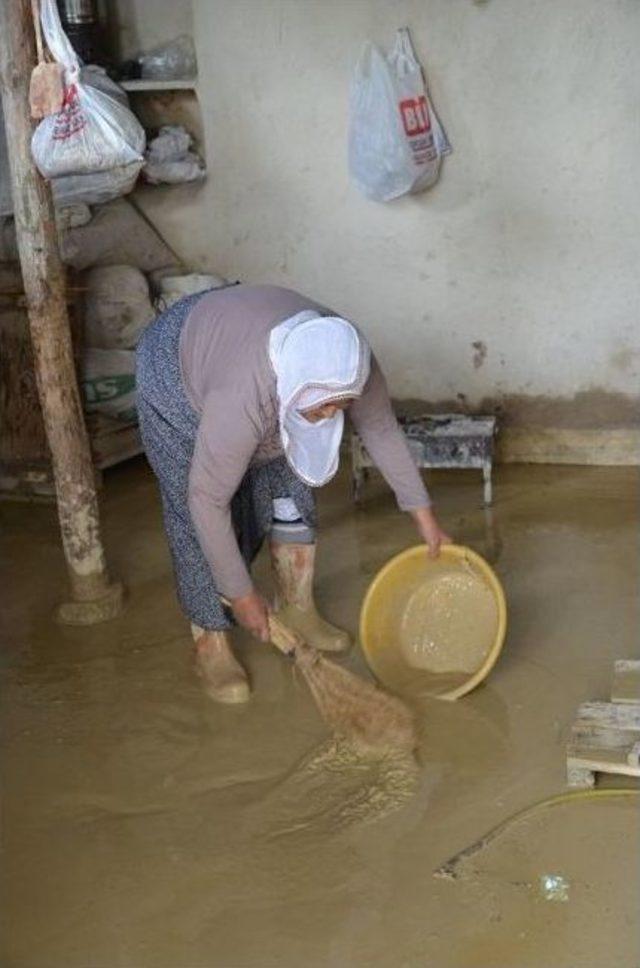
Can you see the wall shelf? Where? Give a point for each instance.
(144, 84)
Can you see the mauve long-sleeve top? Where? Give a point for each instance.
(230, 383)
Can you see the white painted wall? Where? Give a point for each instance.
(139, 25)
(529, 242)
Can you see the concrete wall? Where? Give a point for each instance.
(513, 282)
(137, 25)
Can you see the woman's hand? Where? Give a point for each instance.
(252, 612)
(430, 530)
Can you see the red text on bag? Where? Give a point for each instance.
(415, 115)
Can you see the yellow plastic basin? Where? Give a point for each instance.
(433, 627)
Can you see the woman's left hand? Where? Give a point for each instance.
(430, 530)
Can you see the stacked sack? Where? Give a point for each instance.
(117, 309)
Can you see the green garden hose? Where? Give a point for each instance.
(449, 868)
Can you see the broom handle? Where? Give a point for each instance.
(284, 638)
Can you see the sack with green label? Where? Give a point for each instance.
(109, 383)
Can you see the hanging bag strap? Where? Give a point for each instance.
(35, 11)
(402, 55)
(58, 42)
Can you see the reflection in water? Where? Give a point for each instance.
(492, 536)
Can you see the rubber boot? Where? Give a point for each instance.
(293, 570)
(224, 678)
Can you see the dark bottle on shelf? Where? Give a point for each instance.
(81, 23)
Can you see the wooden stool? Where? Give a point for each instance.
(605, 737)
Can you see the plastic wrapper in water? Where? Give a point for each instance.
(554, 887)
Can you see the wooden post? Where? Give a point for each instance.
(93, 597)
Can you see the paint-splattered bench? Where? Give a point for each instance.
(442, 440)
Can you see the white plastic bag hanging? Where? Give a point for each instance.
(396, 141)
(94, 131)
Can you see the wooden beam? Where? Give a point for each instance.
(93, 597)
(626, 681)
(605, 738)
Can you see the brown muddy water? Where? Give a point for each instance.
(145, 827)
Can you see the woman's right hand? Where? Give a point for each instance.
(252, 612)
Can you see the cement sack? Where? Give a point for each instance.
(108, 383)
(116, 235)
(117, 307)
(72, 216)
(396, 141)
(94, 132)
(97, 188)
(174, 288)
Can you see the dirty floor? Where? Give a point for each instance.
(145, 827)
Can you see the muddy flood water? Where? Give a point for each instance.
(146, 827)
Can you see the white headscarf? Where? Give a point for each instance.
(316, 359)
